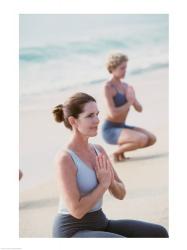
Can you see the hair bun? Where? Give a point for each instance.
(58, 113)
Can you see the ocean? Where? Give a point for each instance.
(58, 52)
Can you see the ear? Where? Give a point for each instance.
(73, 121)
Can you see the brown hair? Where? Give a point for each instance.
(72, 107)
(114, 60)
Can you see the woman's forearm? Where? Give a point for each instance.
(122, 109)
(88, 201)
(117, 189)
(138, 106)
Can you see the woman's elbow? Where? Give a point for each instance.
(77, 213)
(122, 195)
(139, 108)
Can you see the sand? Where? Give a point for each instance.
(145, 175)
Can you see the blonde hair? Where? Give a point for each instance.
(114, 60)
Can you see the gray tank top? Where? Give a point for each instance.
(86, 181)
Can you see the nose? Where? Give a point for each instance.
(97, 119)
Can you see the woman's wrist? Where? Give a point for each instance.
(103, 187)
(113, 184)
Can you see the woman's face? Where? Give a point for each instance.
(87, 122)
(120, 71)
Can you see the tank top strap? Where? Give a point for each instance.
(74, 157)
(96, 150)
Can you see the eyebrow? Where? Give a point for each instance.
(92, 113)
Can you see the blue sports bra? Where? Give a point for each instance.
(119, 98)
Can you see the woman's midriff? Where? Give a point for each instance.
(121, 118)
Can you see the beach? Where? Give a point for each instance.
(145, 174)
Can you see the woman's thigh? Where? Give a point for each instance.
(144, 131)
(136, 229)
(131, 136)
(151, 137)
(95, 234)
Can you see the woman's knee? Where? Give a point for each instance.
(152, 140)
(142, 141)
(164, 232)
(161, 232)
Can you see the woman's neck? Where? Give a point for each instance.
(115, 80)
(79, 142)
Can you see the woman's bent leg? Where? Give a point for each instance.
(95, 234)
(151, 137)
(136, 229)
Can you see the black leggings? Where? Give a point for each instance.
(125, 229)
(96, 225)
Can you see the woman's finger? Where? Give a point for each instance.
(110, 167)
(100, 161)
(97, 163)
(112, 174)
(104, 162)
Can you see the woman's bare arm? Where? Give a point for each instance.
(117, 187)
(138, 107)
(77, 205)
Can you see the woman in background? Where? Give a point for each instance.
(120, 97)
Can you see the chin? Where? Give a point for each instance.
(93, 134)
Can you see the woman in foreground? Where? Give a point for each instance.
(84, 174)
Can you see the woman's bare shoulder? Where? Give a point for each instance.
(64, 160)
(108, 83)
(108, 88)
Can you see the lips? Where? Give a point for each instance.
(94, 128)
